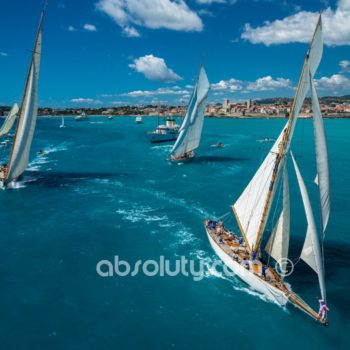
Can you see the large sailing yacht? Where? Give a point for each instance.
(19, 156)
(243, 255)
(191, 128)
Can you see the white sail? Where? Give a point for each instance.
(311, 252)
(321, 158)
(278, 244)
(27, 119)
(192, 125)
(250, 205)
(9, 121)
(254, 221)
(311, 64)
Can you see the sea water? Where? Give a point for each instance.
(103, 190)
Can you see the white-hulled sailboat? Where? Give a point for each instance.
(9, 121)
(19, 156)
(191, 128)
(62, 122)
(252, 209)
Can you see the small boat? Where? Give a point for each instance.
(9, 121)
(62, 122)
(82, 117)
(266, 271)
(26, 121)
(41, 152)
(165, 132)
(219, 145)
(266, 140)
(110, 117)
(191, 128)
(138, 120)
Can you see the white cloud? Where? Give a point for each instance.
(3, 54)
(268, 83)
(71, 29)
(154, 14)
(300, 26)
(345, 65)
(90, 27)
(175, 90)
(154, 68)
(85, 100)
(262, 84)
(131, 32)
(231, 85)
(335, 82)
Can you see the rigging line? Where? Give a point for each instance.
(272, 219)
(223, 216)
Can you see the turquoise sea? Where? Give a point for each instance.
(102, 190)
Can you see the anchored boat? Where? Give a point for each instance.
(242, 254)
(26, 122)
(165, 132)
(191, 128)
(82, 117)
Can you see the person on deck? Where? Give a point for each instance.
(246, 263)
(323, 310)
(263, 271)
(253, 256)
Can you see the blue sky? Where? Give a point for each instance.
(112, 52)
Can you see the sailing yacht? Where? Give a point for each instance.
(19, 155)
(9, 121)
(242, 253)
(191, 128)
(62, 122)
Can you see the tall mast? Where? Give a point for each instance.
(283, 148)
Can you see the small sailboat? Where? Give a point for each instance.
(138, 120)
(62, 122)
(191, 128)
(243, 255)
(9, 121)
(82, 117)
(26, 122)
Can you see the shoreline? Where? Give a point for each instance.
(253, 117)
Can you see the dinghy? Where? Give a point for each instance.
(242, 253)
(19, 156)
(191, 128)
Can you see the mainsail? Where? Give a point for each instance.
(311, 63)
(192, 125)
(19, 156)
(321, 158)
(9, 121)
(249, 207)
(278, 244)
(311, 252)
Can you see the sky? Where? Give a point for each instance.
(99, 53)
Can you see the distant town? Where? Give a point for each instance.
(332, 107)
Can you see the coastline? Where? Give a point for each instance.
(249, 116)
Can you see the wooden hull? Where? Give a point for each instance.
(280, 296)
(273, 294)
